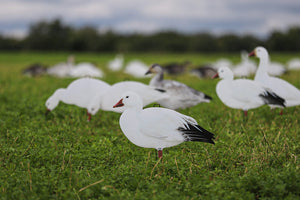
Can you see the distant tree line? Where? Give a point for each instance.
(54, 35)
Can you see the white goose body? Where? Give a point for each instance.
(243, 94)
(245, 68)
(80, 92)
(117, 63)
(276, 69)
(294, 64)
(157, 127)
(62, 70)
(239, 94)
(282, 88)
(86, 69)
(131, 120)
(147, 93)
(136, 68)
(222, 62)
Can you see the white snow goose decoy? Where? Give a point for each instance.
(158, 128)
(245, 68)
(136, 68)
(62, 70)
(244, 94)
(276, 69)
(114, 93)
(282, 88)
(181, 95)
(294, 64)
(80, 92)
(117, 63)
(85, 69)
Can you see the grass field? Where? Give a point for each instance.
(62, 156)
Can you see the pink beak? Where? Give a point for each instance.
(216, 75)
(251, 54)
(119, 104)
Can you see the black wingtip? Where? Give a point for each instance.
(207, 97)
(196, 133)
(195, 139)
(272, 98)
(160, 90)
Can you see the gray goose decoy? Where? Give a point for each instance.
(181, 95)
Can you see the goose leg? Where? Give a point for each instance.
(160, 153)
(89, 116)
(281, 112)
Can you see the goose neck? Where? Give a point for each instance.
(159, 77)
(262, 69)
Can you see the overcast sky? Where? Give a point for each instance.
(258, 17)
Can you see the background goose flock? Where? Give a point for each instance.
(214, 133)
(170, 128)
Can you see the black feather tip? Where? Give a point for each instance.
(160, 90)
(207, 97)
(272, 98)
(193, 132)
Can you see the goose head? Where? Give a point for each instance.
(259, 52)
(130, 100)
(224, 73)
(93, 108)
(154, 69)
(51, 103)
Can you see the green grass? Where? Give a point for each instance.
(62, 156)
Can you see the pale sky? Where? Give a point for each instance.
(258, 17)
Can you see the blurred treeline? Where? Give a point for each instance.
(55, 35)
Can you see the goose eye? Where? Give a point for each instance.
(93, 109)
(127, 97)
